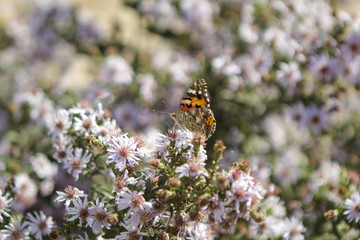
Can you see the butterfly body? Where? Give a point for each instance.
(194, 112)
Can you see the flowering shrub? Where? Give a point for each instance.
(98, 163)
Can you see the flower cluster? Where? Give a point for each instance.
(83, 148)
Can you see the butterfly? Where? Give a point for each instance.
(194, 113)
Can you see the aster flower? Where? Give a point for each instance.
(69, 194)
(99, 214)
(215, 208)
(323, 67)
(287, 169)
(192, 168)
(133, 200)
(62, 152)
(39, 224)
(26, 192)
(293, 229)
(43, 167)
(80, 211)
(271, 227)
(59, 122)
(351, 47)
(15, 230)
(116, 69)
(77, 163)
(140, 218)
(244, 190)
(122, 151)
(86, 124)
(5, 202)
(200, 231)
(316, 119)
(104, 130)
(297, 114)
(352, 207)
(132, 232)
(289, 76)
(122, 181)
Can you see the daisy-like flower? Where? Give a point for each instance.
(287, 169)
(26, 192)
(62, 152)
(5, 202)
(121, 182)
(76, 164)
(116, 69)
(351, 47)
(297, 114)
(192, 168)
(71, 193)
(131, 233)
(316, 118)
(216, 208)
(122, 151)
(104, 130)
(15, 230)
(200, 231)
(80, 211)
(289, 76)
(133, 200)
(43, 168)
(293, 229)
(323, 67)
(140, 218)
(39, 224)
(86, 124)
(59, 122)
(352, 207)
(99, 214)
(244, 190)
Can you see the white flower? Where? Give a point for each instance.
(198, 13)
(192, 168)
(122, 151)
(80, 211)
(323, 67)
(62, 153)
(59, 122)
(104, 130)
(132, 232)
(216, 208)
(351, 47)
(69, 194)
(99, 215)
(200, 231)
(244, 189)
(139, 218)
(316, 118)
(297, 114)
(5, 202)
(86, 124)
(133, 200)
(43, 167)
(293, 229)
(15, 230)
(26, 192)
(76, 164)
(289, 76)
(287, 168)
(352, 207)
(121, 182)
(116, 69)
(39, 224)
